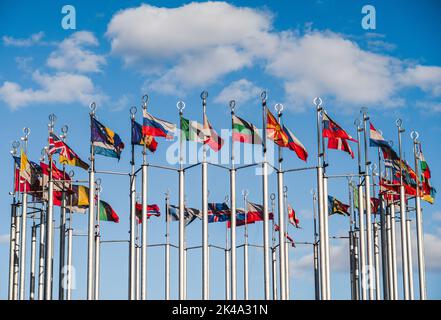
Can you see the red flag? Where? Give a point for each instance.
(332, 130)
(292, 217)
(274, 131)
(277, 228)
(340, 144)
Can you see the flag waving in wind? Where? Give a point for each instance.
(295, 145)
(275, 131)
(292, 217)
(337, 137)
(104, 140)
(138, 138)
(244, 131)
(156, 127)
(213, 140)
(67, 155)
(376, 139)
(337, 207)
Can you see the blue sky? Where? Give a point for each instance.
(172, 50)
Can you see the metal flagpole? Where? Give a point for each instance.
(97, 241)
(69, 256)
(32, 262)
(367, 187)
(42, 245)
(287, 277)
(394, 250)
(351, 243)
(282, 273)
(326, 227)
(49, 225)
(132, 249)
(245, 247)
(321, 213)
(181, 106)
(389, 251)
(409, 259)
(273, 251)
(90, 229)
(404, 252)
(316, 249)
(167, 247)
(361, 220)
(227, 266)
(62, 248)
(233, 214)
(145, 100)
(377, 260)
(356, 265)
(24, 218)
(419, 222)
(12, 233)
(137, 264)
(205, 270)
(266, 258)
(17, 257)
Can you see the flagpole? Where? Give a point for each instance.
(62, 248)
(321, 213)
(419, 221)
(132, 249)
(42, 240)
(233, 213)
(394, 249)
(367, 187)
(266, 257)
(17, 257)
(145, 100)
(376, 235)
(97, 241)
(227, 266)
(409, 259)
(316, 249)
(167, 247)
(32, 262)
(287, 277)
(69, 252)
(24, 218)
(245, 247)
(283, 281)
(90, 229)
(49, 224)
(361, 220)
(12, 233)
(273, 250)
(181, 106)
(351, 243)
(404, 252)
(205, 293)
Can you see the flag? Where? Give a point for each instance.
(375, 205)
(277, 228)
(332, 130)
(152, 210)
(156, 127)
(427, 191)
(192, 131)
(376, 139)
(340, 144)
(292, 217)
(218, 212)
(275, 131)
(336, 206)
(78, 199)
(254, 214)
(67, 155)
(60, 179)
(240, 218)
(106, 212)
(25, 167)
(213, 140)
(244, 131)
(190, 214)
(139, 139)
(20, 184)
(105, 141)
(295, 145)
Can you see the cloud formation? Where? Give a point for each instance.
(34, 39)
(241, 91)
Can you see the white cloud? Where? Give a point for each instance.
(123, 102)
(34, 39)
(59, 88)
(427, 78)
(429, 106)
(241, 91)
(71, 54)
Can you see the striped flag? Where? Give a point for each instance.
(291, 240)
(295, 145)
(292, 217)
(190, 214)
(376, 139)
(152, 211)
(25, 167)
(218, 212)
(138, 138)
(213, 140)
(192, 131)
(106, 212)
(78, 199)
(244, 131)
(104, 140)
(156, 127)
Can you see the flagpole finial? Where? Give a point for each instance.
(263, 95)
(272, 196)
(285, 189)
(279, 108)
(232, 105)
(92, 108)
(42, 154)
(52, 119)
(181, 106)
(167, 193)
(14, 147)
(399, 123)
(357, 123)
(64, 130)
(227, 199)
(374, 168)
(26, 132)
(71, 174)
(245, 192)
(380, 131)
(414, 135)
(133, 111)
(318, 102)
(145, 100)
(204, 95)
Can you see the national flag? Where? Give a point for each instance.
(190, 214)
(376, 139)
(375, 205)
(332, 130)
(67, 155)
(244, 131)
(337, 207)
(139, 139)
(104, 140)
(152, 211)
(106, 212)
(20, 184)
(156, 127)
(291, 240)
(274, 130)
(254, 214)
(340, 144)
(25, 167)
(213, 140)
(295, 145)
(192, 131)
(427, 191)
(61, 181)
(218, 212)
(78, 199)
(240, 218)
(292, 217)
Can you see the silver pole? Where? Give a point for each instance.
(404, 251)
(185, 274)
(97, 242)
(62, 248)
(205, 271)
(32, 263)
(273, 251)
(144, 215)
(377, 261)
(326, 227)
(280, 198)
(182, 252)
(409, 255)
(266, 257)
(227, 267)
(316, 249)
(287, 270)
(167, 248)
(41, 254)
(245, 247)
(419, 225)
(356, 265)
(69, 259)
(132, 249)
(17, 257)
(233, 215)
(90, 229)
(389, 252)
(394, 251)
(49, 229)
(12, 232)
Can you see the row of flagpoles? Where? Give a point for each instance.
(397, 184)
